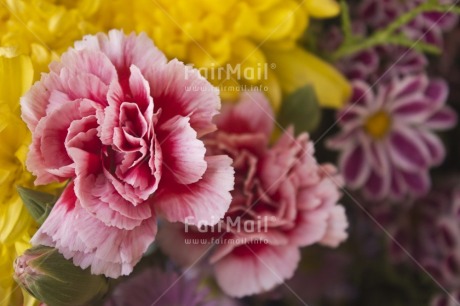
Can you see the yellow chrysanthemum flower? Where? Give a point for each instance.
(243, 33)
(44, 29)
(16, 225)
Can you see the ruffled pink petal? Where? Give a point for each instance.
(205, 201)
(137, 184)
(130, 137)
(254, 144)
(48, 158)
(310, 227)
(35, 102)
(315, 204)
(307, 172)
(90, 62)
(263, 267)
(35, 160)
(109, 118)
(124, 51)
(174, 90)
(89, 242)
(239, 240)
(56, 100)
(183, 154)
(89, 86)
(323, 192)
(336, 231)
(284, 155)
(140, 92)
(253, 114)
(98, 196)
(55, 133)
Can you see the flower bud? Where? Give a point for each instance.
(39, 204)
(48, 276)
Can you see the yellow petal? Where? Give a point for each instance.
(296, 68)
(15, 79)
(14, 221)
(278, 22)
(322, 8)
(28, 299)
(86, 7)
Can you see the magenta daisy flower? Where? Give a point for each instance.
(387, 138)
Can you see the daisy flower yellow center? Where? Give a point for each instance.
(378, 124)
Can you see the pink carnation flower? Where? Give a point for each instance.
(283, 200)
(387, 141)
(114, 118)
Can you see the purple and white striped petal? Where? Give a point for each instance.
(434, 146)
(407, 152)
(344, 138)
(418, 182)
(377, 186)
(397, 185)
(362, 94)
(378, 156)
(436, 92)
(408, 86)
(355, 166)
(414, 109)
(444, 119)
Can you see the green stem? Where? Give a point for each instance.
(401, 40)
(387, 36)
(346, 22)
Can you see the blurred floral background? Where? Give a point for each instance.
(345, 134)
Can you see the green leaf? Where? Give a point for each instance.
(39, 204)
(301, 109)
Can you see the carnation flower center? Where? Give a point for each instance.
(378, 124)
